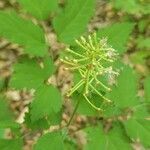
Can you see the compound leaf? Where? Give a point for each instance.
(117, 35)
(138, 126)
(39, 9)
(47, 102)
(125, 93)
(23, 32)
(138, 129)
(43, 123)
(72, 21)
(15, 144)
(28, 73)
(36, 125)
(49, 141)
(113, 140)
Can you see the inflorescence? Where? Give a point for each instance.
(91, 62)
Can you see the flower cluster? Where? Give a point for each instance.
(93, 60)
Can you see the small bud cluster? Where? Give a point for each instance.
(92, 61)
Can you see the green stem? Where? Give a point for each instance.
(74, 111)
(87, 81)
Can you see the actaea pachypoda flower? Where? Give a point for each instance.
(90, 62)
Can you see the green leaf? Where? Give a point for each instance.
(9, 124)
(147, 88)
(138, 126)
(28, 73)
(112, 111)
(138, 129)
(23, 32)
(125, 93)
(2, 133)
(5, 114)
(113, 140)
(84, 107)
(43, 123)
(49, 141)
(117, 35)
(140, 111)
(70, 145)
(142, 24)
(72, 21)
(36, 125)
(143, 42)
(139, 57)
(39, 9)
(127, 6)
(15, 144)
(55, 118)
(132, 6)
(47, 101)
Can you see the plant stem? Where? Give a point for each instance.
(74, 111)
